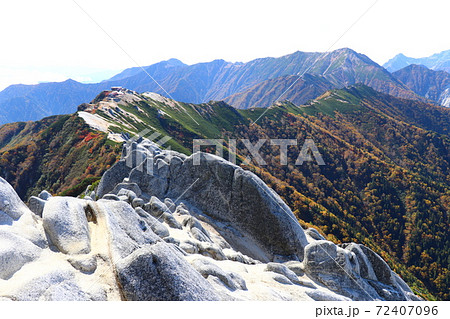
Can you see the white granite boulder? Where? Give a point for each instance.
(65, 222)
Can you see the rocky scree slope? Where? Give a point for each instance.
(211, 231)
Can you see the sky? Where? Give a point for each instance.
(52, 40)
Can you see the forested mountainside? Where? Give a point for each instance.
(56, 153)
(385, 183)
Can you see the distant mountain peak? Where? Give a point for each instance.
(175, 62)
(345, 50)
(417, 66)
(437, 61)
(70, 81)
(400, 55)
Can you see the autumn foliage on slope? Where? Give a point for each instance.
(57, 153)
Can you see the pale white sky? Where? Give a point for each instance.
(51, 40)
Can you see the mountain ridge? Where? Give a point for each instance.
(437, 61)
(201, 82)
(296, 90)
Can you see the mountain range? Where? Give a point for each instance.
(438, 61)
(32, 102)
(216, 80)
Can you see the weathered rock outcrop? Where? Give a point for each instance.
(64, 220)
(11, 207)
(159, 272)
(15, 252)
(224, 191)
(171, 227)
(355, 272)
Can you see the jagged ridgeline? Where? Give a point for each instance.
(385, 183)
(215, 80)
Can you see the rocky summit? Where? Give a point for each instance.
(161, 225)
